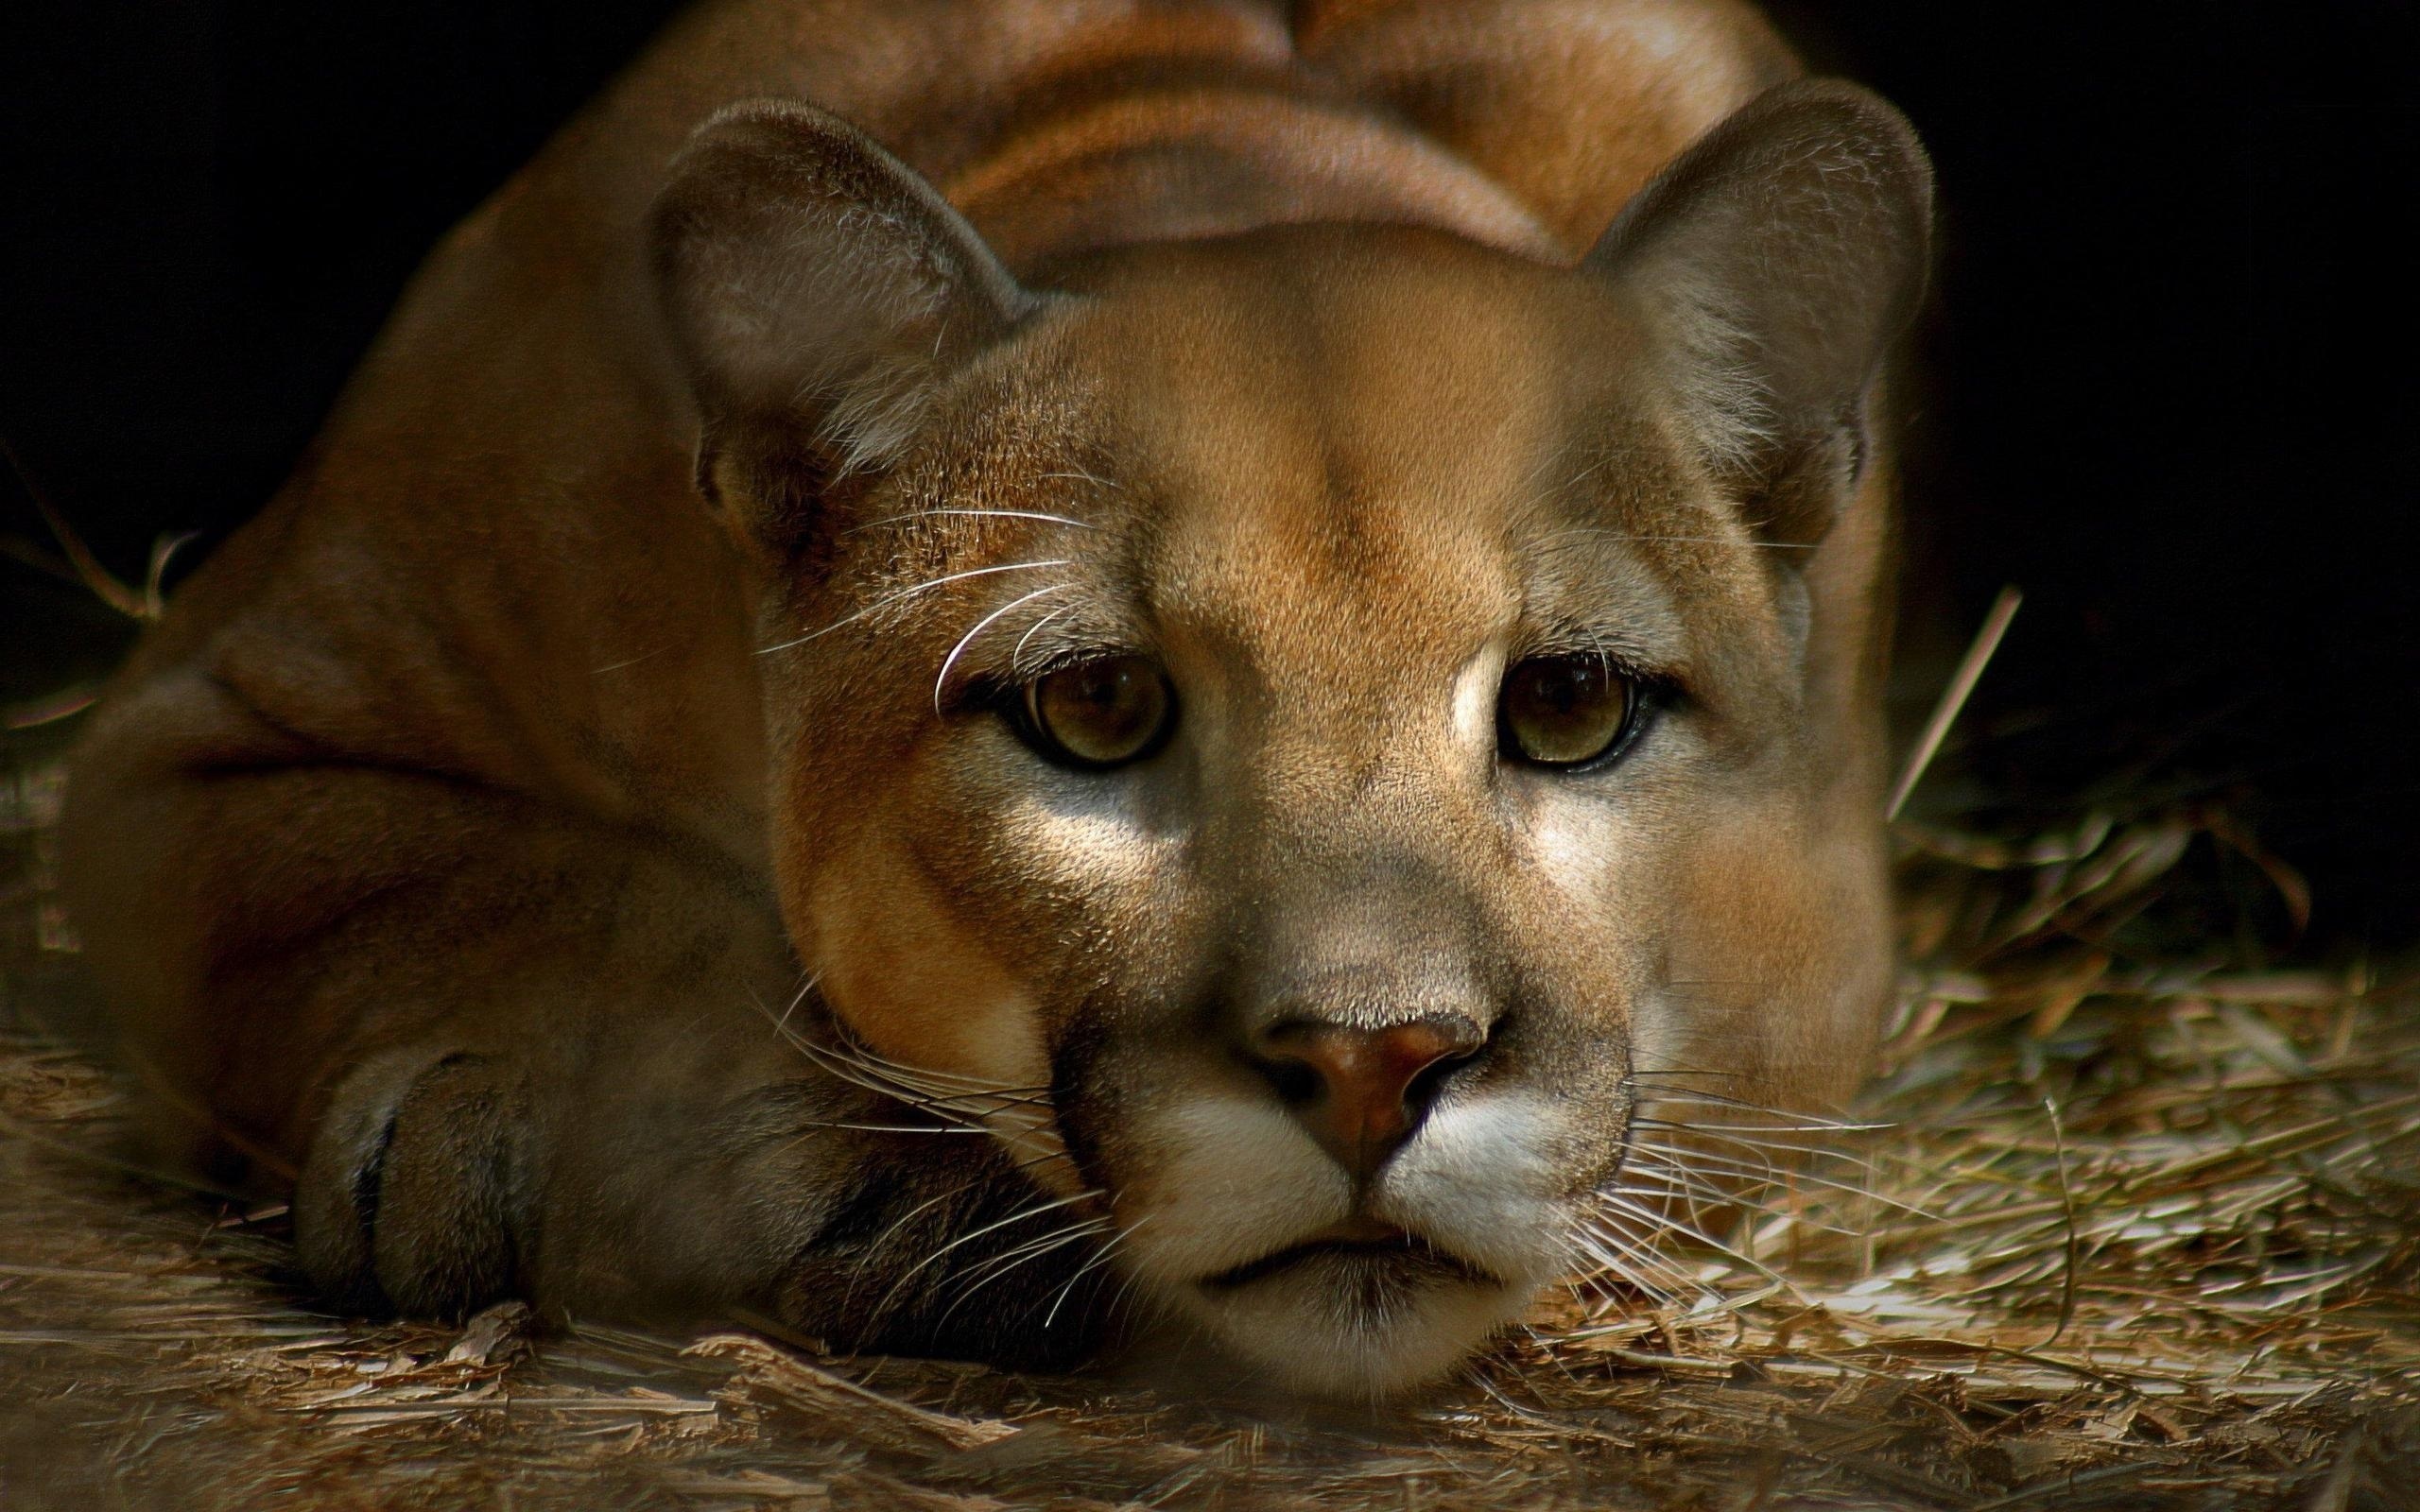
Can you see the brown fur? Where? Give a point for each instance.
(457, 844)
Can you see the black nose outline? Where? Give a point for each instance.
(1362, 1091)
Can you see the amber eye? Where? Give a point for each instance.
(1104, 712)
(1563, 711)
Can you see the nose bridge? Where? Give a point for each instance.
(1355, 939)
(1356, 776)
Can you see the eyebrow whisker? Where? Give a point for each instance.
(1079, 473)
(1018, 652)
(973, 514)
(968, 639)
(892, 598)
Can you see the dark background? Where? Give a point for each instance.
(2170, 376)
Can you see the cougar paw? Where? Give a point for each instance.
(408, 1201)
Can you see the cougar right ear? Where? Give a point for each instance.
(817, 289)
(1776, 261)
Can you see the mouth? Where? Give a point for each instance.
(1361, 1247)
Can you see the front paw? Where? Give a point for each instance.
(411, 1197)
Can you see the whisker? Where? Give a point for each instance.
(968, 639)
(1002, 1264)
(938, 1077)
(1741, 1130)
(1018, 654)
(866, 1256)
(1632, 1260)
(1610, 1259)
(890, 598)
(1665, 1170)
(1772, 1175)
(951, 1110)
(1018, 1216)
(1693, 1235)
(1107, 1250)
(975, 514)
(1796, 1120)
(1080, 473)
(618, 666)
(1635, 1262)
(1153, 1306)
(946, 1094)
(899, 1129)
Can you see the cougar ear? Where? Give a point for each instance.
(1776, 261)
(817, 289)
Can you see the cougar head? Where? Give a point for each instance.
(1304, 732)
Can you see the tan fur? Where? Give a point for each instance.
(594, 894)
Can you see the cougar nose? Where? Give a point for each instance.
(1353, 1089)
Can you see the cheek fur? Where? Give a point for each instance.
(911, 976)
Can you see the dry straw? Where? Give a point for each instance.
(2135, 1231)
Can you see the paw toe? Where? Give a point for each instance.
(407, 1202)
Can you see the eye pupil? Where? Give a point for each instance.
(1102, 712)
(1563, 711)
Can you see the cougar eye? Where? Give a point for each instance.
(1102, 712)
(1563, 711)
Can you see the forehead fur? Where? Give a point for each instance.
(1298, 457)
(1285, 441)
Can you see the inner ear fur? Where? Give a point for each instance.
(817, 289)
(1777, 262)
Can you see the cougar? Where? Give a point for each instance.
(1019, 679)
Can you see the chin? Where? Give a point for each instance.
(1350, 1322)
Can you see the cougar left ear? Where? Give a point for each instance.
(817, 288)
(1776, 261)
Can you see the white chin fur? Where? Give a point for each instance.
(1237, 1181)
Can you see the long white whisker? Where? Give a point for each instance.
(968, 639)
(1017, 654)
(1760, 1151)
(1097, 1261)
(1678, 1185)
(1018, 1216)
(925, 1206)
(948, 1109)
(1653, 1162)
(1032, 1250)
(898, 1129)
(936, 1078)
(1768, 1174)
(947, 1094)
(976, 514)
(1641, 1258)
(889, 599)
(865, 1257)
(1692, 1208)
(1787, 1119)
(1632, 1260)
(1599, 1263)
(1695, 1236)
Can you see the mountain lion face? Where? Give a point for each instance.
(1311, 736)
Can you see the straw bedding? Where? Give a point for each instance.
(2134, 1229)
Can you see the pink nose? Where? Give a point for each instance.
(1357, 1100)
